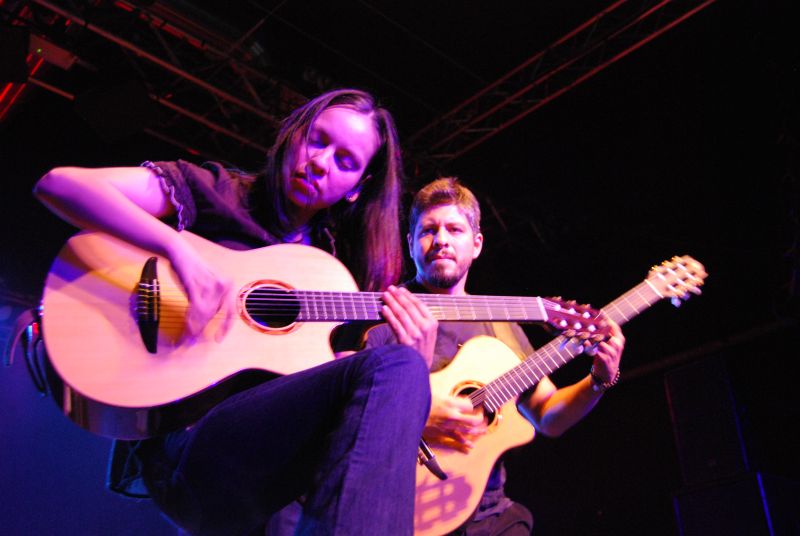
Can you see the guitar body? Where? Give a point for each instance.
(114, 316)
(115, 387)
(442, 505)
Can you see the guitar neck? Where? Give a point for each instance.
(316, 306)
(558, 352)
(633, 302)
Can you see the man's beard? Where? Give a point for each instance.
(444, 279)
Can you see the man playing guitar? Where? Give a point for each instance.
(444, 238)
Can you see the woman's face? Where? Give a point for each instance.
(323, 170)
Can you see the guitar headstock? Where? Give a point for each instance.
(677, 278)
(579, 322)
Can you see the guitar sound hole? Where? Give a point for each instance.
(272, 307)
(488, 416)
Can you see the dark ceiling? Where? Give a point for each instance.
(688, 145)
(685, 146)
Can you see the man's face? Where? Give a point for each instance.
(443, 246)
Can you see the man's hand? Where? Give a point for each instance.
(608, 353)
(453, 422)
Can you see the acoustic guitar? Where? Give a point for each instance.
(492, 376)
(114, 316)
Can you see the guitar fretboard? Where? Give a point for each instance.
(325, 306)
(557, 352)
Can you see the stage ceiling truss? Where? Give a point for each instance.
(609, 36)
(604, 39)
(216, 99)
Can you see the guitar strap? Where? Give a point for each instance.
(504, 332)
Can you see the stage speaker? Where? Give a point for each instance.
(754, 504)
(708, 433)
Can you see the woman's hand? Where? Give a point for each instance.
(209, 295)
(411, 320)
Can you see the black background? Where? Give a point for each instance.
(687, 146)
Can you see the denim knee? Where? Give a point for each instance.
(410, 376)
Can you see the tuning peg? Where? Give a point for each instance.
(696, 283)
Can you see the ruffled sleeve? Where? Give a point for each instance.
(175, 184)
(210, 201)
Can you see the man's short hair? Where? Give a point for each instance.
(446, 191)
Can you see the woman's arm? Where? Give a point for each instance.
(127, 202)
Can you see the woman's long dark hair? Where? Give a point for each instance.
(367, 232)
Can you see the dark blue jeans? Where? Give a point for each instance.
(343, 435)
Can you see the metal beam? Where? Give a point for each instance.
(195, 73)
(604, 39)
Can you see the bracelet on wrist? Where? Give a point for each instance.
(600, 386)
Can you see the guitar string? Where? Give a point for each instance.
(370, 310)
(341, 303)
(374, 313)
(179, 317)
(324, 298)
(509, 384)
(333, 296)
(369, 303)
(165, 313)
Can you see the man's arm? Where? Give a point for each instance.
(553, 411)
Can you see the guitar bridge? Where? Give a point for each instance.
(148, 305)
